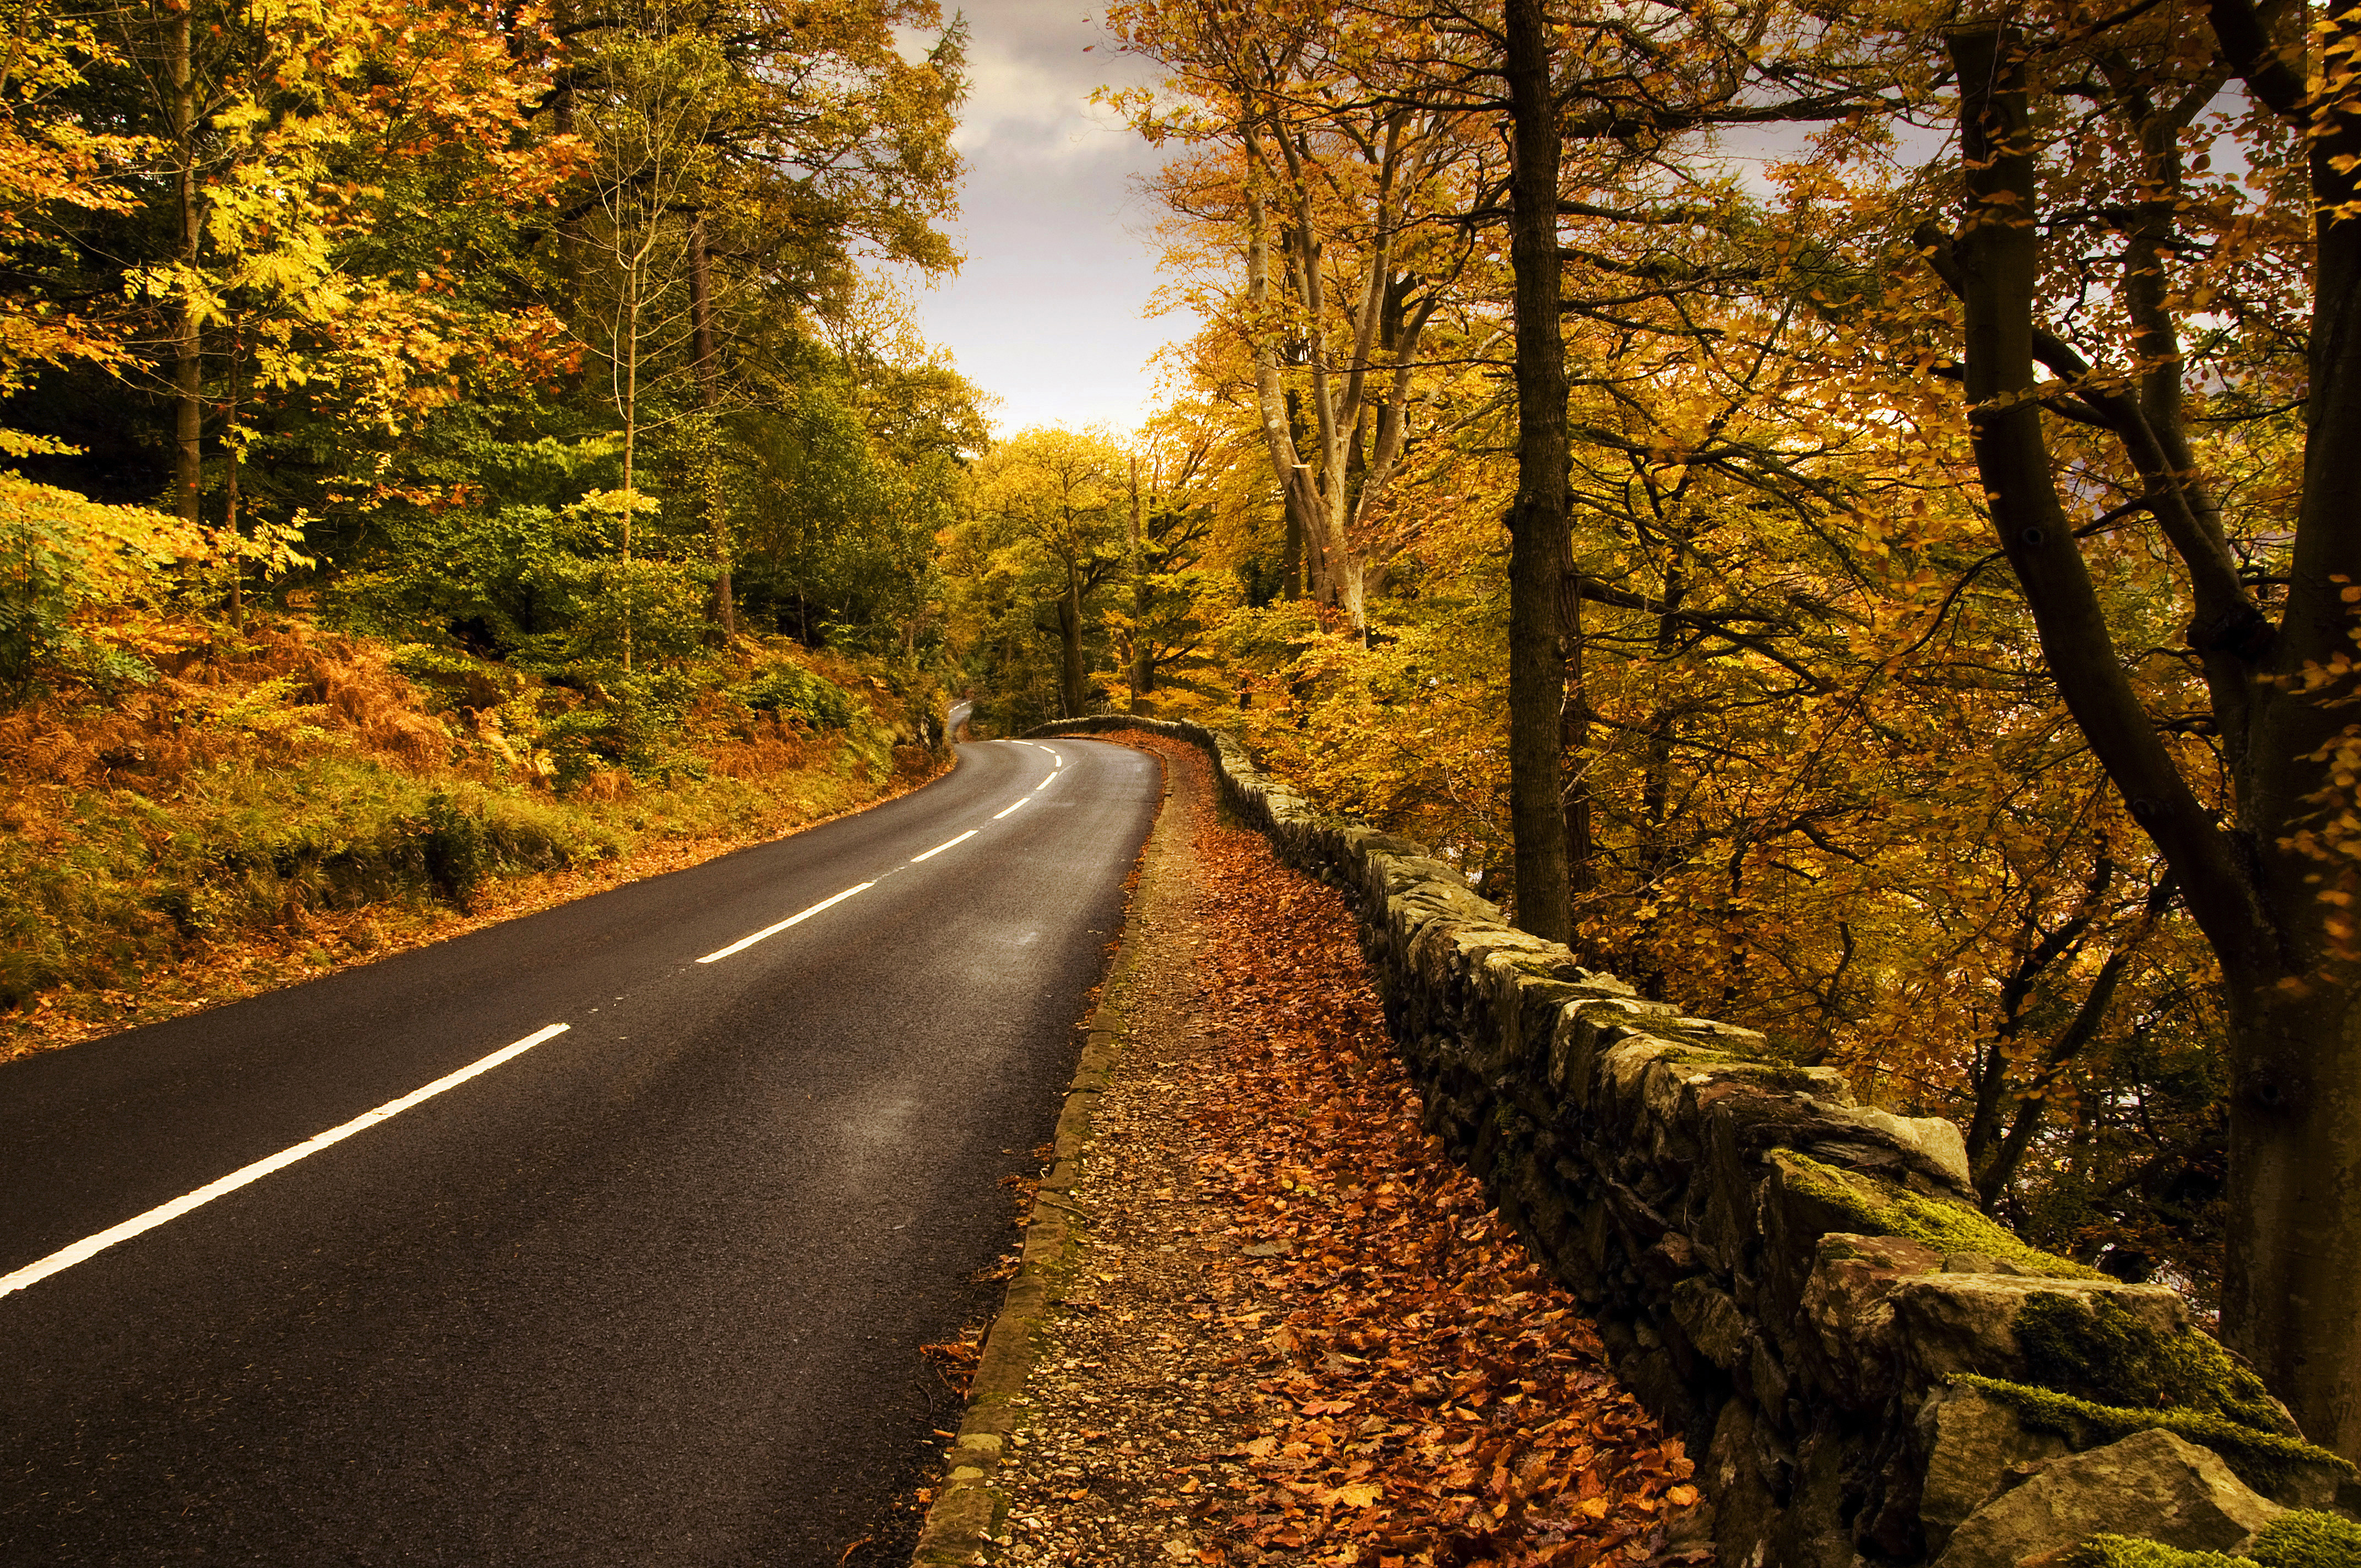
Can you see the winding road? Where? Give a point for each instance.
(604, 1236)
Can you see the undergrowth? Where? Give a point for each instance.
(273, 803)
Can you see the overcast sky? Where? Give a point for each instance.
(1046, 314)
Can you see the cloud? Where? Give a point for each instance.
(1047, 312)
(1033, 68)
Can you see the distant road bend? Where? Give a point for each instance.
(604, 1236)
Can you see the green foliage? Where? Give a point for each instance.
(787, 690)
(836, 528)
(62, 554)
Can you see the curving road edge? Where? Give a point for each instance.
(970, 1506)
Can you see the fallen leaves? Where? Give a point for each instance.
(1443, 1403)
(1295, 1335)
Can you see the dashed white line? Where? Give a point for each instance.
(90, 1246)
(946, 844)
(742, 943)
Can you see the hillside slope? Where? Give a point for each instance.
(283, 801)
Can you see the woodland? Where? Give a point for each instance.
(1842, 514)
(449, 445)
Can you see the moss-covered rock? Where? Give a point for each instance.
(2152, 1483)
(2308, 1538)
(1877, 1208)
(2132, 1552)
(2278, 1466)
(2302, 1540)
(2093, 1348)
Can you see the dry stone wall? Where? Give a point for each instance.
(1799, 1283)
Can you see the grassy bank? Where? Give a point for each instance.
(281, 802)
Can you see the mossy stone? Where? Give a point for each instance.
(2301, 1540)
(2266, 1461)
(1878, 1207)
(2131, 1551)
(2308, 1539)
(2096, 1349)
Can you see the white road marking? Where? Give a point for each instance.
(946, 844)
(742, 943)
(90, 1246)
(1020, 800)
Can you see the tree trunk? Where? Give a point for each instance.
(1070, 690)
(1540, 547)
(230, 487)
(2291, 1290)
(2293, 1293)
(1275, 405)
(708, 396)
(188, 344)
(1143, 658)
(1573, 746)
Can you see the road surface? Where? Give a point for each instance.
(647, 1289)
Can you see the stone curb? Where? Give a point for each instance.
(971, 1506)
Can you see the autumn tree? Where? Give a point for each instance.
(1045, 532)
(1329, 199)
(2270, 624)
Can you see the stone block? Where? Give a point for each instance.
(2151, 1483)
(1970, 1442)
(1712, 1320)
(1846, 1308)
(1950, 1324)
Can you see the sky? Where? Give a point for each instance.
(1047, 313)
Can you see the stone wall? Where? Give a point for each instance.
(1799, 1283)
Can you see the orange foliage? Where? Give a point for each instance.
(1412, 1319)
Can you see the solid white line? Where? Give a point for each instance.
(90, 1246)
(946, 844)
(1020, 800)
(742, 943)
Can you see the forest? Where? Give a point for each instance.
(1841, 513)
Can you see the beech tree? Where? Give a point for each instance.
(1329, 199)
(2269, 879)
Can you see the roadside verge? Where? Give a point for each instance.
(971, 1505)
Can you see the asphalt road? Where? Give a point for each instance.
(649, 1291)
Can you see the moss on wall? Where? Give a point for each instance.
(2131, 1551)
(2096, 1348)
(1878, 1207)
(2266, 1461)
(2309, 1540)
(2299, 1540)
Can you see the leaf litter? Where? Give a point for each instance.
(1296, 1333)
